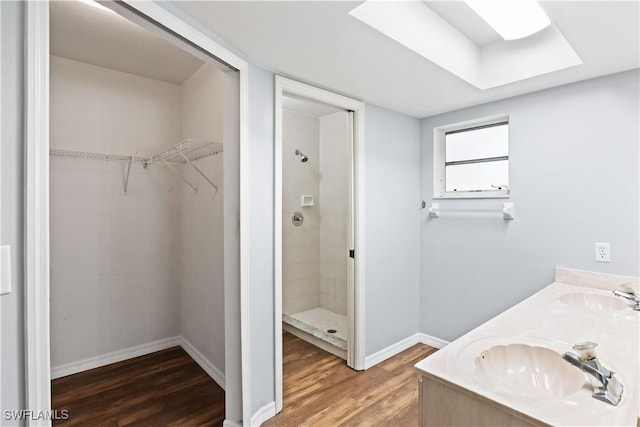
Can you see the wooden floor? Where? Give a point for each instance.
(166, 388)
(320, 390)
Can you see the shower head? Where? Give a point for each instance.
(303, 158)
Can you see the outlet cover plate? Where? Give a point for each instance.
(603, 252)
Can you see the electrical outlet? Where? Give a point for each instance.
(603, 252)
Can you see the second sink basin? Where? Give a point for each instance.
(594, 301)
(529, 371)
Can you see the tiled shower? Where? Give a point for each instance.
(315, 252)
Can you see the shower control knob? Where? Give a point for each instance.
(297, 219)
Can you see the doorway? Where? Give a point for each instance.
(150, 16)
(319, 243)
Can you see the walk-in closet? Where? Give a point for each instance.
(137, 146)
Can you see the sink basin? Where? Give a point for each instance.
(529, 371)
(595, 302)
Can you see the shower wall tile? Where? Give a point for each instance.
(341, 271)
(334, 192)
(334, 221)
(299, 304)
(328, 302)
(327, 286)
(315, 255)
(341, 305)
(301, 253)
(295, 254)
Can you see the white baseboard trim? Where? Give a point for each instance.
(228, 423)
(204, 363)
(113, 357)
(432, 341)
(393, 349)
(141, 350)
(263, 414)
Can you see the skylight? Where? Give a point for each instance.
(511, 19)
(416, 26)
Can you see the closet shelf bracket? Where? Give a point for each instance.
(176, 173)
(197, 169)
(126, 175)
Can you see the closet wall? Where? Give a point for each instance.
(129, 270)
(202, 269)
(114, 258)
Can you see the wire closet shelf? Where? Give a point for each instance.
(185, 152)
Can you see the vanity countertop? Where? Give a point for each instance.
(556, 318)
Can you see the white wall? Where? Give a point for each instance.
(574, 181)
(114, 257)
(131, 269)
(300, 250)
(12, 389)
(392, 214)
(334, 205)
(201, 220)
(97, 109)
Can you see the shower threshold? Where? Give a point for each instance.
(321, 328)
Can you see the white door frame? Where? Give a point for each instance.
(356, 303)
(36, 239)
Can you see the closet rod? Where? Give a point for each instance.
(96, 156)
(185, 152)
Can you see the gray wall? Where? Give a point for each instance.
(392, 219)
(574, 181)
(11, 313)
(261, 137)
(391, 291)
(471, 268)
(261, 287)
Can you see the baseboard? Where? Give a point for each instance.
(113, 357)
(393, 349)
(141, 350)
(204, 363)
(228, 423)
(432, 341)
(263, 414)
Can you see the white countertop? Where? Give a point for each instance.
(544, 320)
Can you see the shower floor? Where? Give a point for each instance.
(317, 322)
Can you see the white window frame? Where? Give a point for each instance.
(439, 159)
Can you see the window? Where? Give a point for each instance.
(471, 159)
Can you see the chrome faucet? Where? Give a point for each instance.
(606, 386)
(630, 295)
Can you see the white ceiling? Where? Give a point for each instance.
(320, 43)
(100, 37)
